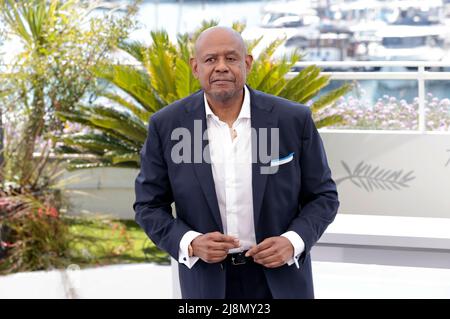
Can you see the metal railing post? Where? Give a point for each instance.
(421, 87)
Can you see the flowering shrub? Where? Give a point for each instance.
(389, 113)
(34, 236)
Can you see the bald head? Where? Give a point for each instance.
(219, 33)
(221, 64)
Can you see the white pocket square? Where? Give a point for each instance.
(283, 160)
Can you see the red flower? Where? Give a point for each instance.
(52, 212)
(4, 201)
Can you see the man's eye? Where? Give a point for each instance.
(231, 59)
(209, 60)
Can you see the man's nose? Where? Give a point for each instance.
(221, 66)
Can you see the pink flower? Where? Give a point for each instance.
(6, 245)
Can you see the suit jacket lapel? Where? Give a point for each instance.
(261, 117)
(203, 171)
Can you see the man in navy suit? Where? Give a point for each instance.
(249, 177)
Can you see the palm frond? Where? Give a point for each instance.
(120, 158)
(81, 164)
(134, 48)
(160, 61)
(142, 114)
(331, 97)
(185, 82)
(185, 48)
(238, 26)
(96, 143)
(125, 124)
(296, 83)
(329, 121)
(206, 24)
(268, 52)
(312, 88)
(252, 44)
(134, 82)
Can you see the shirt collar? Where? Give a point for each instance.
(245, 109)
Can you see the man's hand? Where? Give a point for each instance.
(213, 247)
(272, 252)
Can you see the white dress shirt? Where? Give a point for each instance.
(231, 164)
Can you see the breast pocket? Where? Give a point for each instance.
(281, 164)
(284, 182)
(282, 160)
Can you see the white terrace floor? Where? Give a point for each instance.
(332, 280)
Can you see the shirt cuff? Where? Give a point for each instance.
(183, 252)
(298, 244)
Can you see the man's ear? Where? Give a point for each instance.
(248, 62)
(193, 63)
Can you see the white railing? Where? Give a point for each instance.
(421, 75)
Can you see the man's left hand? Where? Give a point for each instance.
(272, 252)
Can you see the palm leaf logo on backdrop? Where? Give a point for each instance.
(448, 162)
(370, 178)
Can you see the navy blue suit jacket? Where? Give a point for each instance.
(301, 196)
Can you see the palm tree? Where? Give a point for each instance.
(59, 45)
(51, 72)
(27, 22)
(163, 76)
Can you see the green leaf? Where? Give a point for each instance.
(134, 48)
(312, 89)
(271, 48)
(185, 82)
(329, 121)
(132, 81)
(331, 97)
(122, 158)
(143, 114)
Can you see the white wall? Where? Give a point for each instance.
(107, 191)
(425, 192)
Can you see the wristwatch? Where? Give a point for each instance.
(190, 251)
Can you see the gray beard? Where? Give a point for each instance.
(223, 96)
